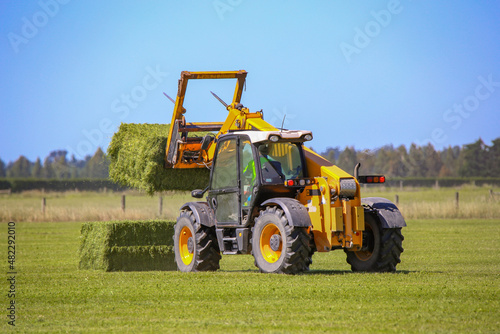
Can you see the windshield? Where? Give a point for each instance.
(280, 161)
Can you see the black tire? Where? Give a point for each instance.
(278, 247)
(195, 245)
(382, 248)
(312, 247)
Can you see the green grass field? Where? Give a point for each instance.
(448, 281)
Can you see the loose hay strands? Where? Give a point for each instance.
(137, 153)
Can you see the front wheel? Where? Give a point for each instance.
(279, 247)
(382, 248)
(195, 245)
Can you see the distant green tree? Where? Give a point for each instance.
(47, 170)
(473, 160)
(97, 166)
(391, 162)
(74, 167)
(20, 168)
(449, 158)
(367, 160)
(2, 169)
(399, 160)
(347, 159)
(331, 154)
(61, 168)
(416, 161)
(36, 171)
(382, 162)
(433, 161)
(494, 159)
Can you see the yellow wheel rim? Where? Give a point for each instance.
(266, 250)
(185, 238)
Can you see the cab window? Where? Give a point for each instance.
(225, 174)
(280, 161)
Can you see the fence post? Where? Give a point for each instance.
(160, 205)
(401, 185)
(123, 203)
(456, 200)
(396, 199)
(491, 194)
(44, 203)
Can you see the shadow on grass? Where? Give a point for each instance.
(344, 272)
(323, 272)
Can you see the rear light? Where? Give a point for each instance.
(371, 179)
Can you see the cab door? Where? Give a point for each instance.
(224, 193)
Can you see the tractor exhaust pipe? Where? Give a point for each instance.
(356, 170)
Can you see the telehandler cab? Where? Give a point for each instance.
(272, 197)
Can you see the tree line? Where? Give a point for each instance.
(57, 166)
(471, 160)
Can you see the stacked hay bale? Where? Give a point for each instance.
(137, 153)
(127, 245)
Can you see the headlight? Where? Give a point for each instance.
(274, 138)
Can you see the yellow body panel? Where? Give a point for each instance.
(338, 219)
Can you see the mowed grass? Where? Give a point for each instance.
(448, 281)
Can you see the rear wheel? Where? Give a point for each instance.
(279, 247)
(195, 245)
(381, 250)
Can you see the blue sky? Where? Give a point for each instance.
(362, 74)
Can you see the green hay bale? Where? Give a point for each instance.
(142, 258)
(137, 233)
(137, 153)
(127, 246)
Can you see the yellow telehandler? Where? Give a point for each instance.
(272, 197)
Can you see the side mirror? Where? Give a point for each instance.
(198, 193)
(205, 143)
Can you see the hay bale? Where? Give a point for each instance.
(137, 153)
(127, 246)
